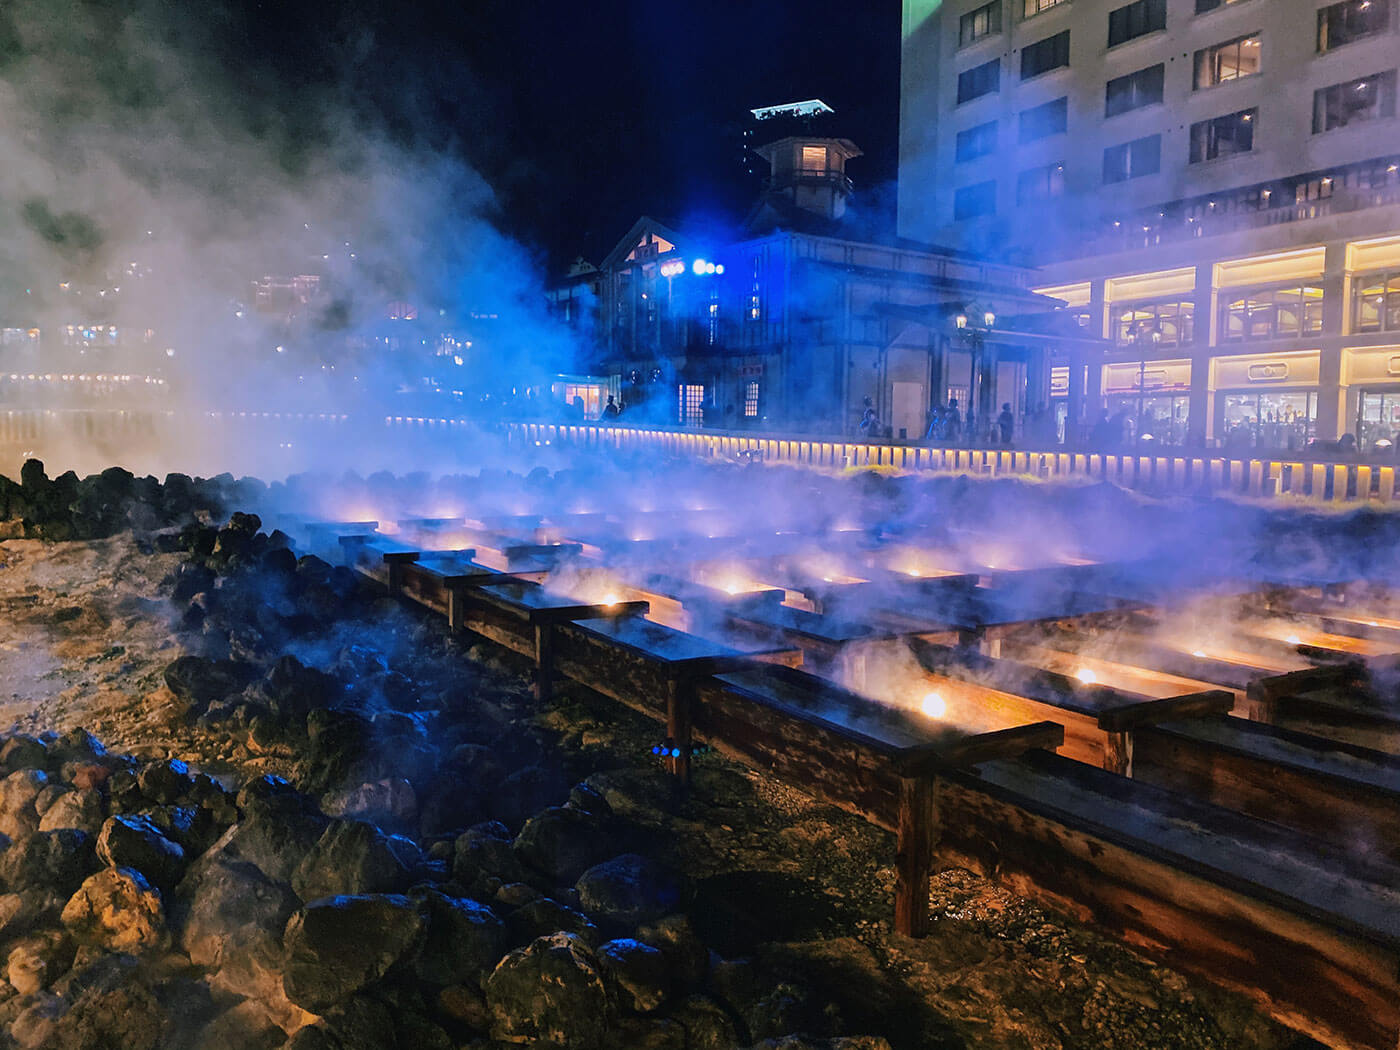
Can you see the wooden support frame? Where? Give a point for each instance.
(916, 835)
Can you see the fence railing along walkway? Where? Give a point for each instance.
(1160, 471)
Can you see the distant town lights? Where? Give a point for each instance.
(697, 267)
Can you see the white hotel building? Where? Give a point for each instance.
(1212, 186)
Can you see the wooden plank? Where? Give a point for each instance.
(1173, 708)
(978, 747)
(1339, 983)
(1264, 694)
(680, 701)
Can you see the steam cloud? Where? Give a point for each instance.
(146, 184)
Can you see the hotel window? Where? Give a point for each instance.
(1202, 6)
(1133, 159)
(971, 201)
(1377, 299)
(1223, 136)
(1037, 184)
(976, 142)
(751, 400)
(1276, 420)
(974, 25)
(814, 159)
(1034, 7)
(1134, 324)
(979, 80)
(1366, 98)
(1143, 88)
(1228, 61)
(1270, 313)
(1038, 122)
(1045, 55)
(692, 404)
(1135, 20)
(1350, 20)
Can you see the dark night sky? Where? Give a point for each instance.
(582, 116)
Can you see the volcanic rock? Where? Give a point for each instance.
(563, 842)
(484, 850)
(335, 947)
(22, 752)
(523, 792)
(275, 834)
(51, 861)
(685, 952)
(628, 890)
(200, 682)
(118, 910)
(707, 1026)
(350, 857)
(465, 940)
(18, 793)
(544, 916)
(165, 781)
(552, 993)
(389, 802)
(230, 913)
(134, 842)
(81, 810)
(640, 973)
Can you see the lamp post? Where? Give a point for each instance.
(1154, 338)
(974, 323)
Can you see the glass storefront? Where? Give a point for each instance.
(1278, 419)
(1377, 419)
(1161, 419)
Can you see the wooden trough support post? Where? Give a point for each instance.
(543, 685)
(680, 714)
(394, 562)
(916, 835)
(1119, 723)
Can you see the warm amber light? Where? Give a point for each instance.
(1086, 676)
(934, 706)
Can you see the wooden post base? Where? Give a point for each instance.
(916, 836)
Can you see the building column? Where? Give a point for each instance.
(1332, 421)
(1202, 340)
(1074, 409)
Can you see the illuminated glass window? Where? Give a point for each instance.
(751, 400)
(1278, 419)
(692, 404)
(1034, 7)
(814, 158)
(977, 24)
(1270, 313)
(1356, 101)
(1376, 303)
(1202, 6)
(1223, 136)
(1170, 321)
(1351, 20)
(1231, 60)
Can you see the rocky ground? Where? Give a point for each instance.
(247, 804)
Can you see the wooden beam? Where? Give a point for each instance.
(1151, 712)
(680, 700)
(916, 835)
(924, 759)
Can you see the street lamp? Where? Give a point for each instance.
(1154, 338)
(974, 323)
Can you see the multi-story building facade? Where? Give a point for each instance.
(801, 320)
(1211, 186)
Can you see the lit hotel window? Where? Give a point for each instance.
(1271, 313)
(1223, 136)
(975, 25)
(1034, 7)
(1377, 303)
(750, 400)
(692, 404)
(1136, 324)
(814, 159)
(1350, 20)
(1202, 6)
(1228, 61)
(1366, 98)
